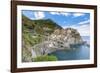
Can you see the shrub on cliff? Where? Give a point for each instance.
(45, 58)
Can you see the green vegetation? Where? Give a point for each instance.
(31, 41)
(45, 58)
(26, 55)
(34, 32)
(41, 26)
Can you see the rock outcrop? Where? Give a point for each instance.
(68, 35)
(58, 40)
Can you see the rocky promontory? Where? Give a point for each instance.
(58, 40)
(44, 36)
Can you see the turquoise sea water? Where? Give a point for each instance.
(79, 53)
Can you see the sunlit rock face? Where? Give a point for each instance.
(59, 39)
(68, 35)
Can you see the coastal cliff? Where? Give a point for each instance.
(41, 37)
(58, 40)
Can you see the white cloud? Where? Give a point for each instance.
(64, 27)
(60, 13)
(65, 14)
(84, 22)
(55, 13)
(78, 14)
(84, 30)
(39, 15)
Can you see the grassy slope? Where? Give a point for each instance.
(35, 27)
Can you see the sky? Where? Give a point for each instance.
(76, 20)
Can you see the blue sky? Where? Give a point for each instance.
(79, 21)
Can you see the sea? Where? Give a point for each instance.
(80, 53)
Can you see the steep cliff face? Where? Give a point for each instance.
(68, 35)
(58, 40)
